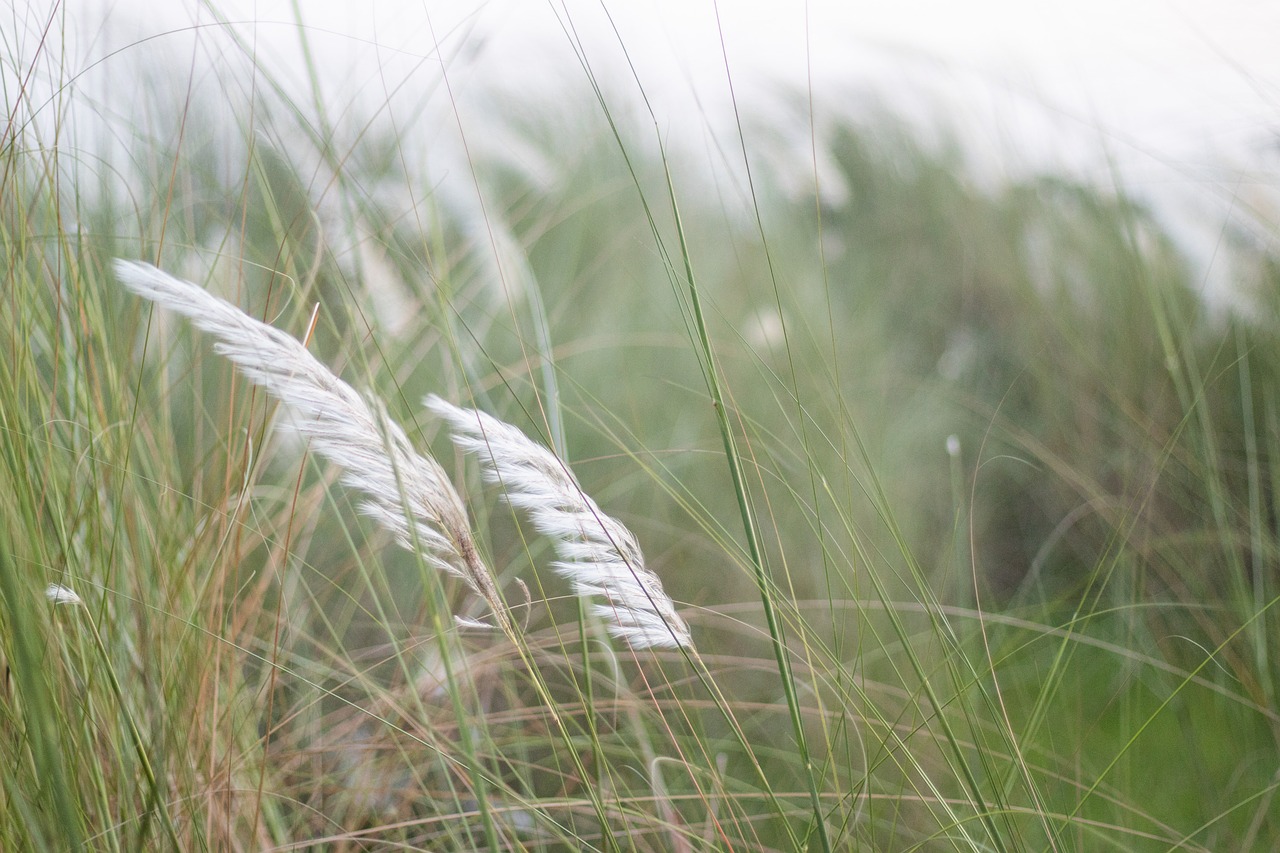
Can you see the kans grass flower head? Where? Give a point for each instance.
(406, 492)
(409, 494)
(59, 594)
(598, 555)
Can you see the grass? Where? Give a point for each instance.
(1055, 632)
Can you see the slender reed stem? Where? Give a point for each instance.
(749, 528)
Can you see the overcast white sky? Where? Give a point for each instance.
(1173, 76)
(1163, 93)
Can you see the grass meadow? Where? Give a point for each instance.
(965, 488)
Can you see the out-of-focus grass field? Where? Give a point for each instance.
(1013, 481)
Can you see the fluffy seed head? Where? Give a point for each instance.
(59, 594)
(599, 556)
(406, 492)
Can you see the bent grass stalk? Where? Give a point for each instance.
(704, 676)
(785, 673)
(703, 352)
(703, 348)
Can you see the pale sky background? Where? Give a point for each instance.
(1178, 101)
(1175, 76)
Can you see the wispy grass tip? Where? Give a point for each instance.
(598, 554)
(406, 492)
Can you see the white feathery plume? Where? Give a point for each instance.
(354, 433)
(598, 555)
(59, 594)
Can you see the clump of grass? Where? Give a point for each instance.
(1029, 637)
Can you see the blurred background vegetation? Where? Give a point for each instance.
(1014, 473)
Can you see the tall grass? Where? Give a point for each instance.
(964, 494)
